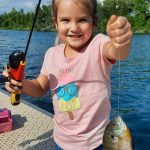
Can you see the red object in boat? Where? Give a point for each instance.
(5, 120)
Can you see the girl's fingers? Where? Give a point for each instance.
(119, 23)
(12, 88)
(112, 19)
(9, 87)
(16, 83)
(6, 74)
(123, 38)
(119, 32)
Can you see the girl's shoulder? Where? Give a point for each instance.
(100, 38)
(55, 50)
(98, 41)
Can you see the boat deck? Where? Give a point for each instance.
(32, 127)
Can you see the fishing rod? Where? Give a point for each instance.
(17, 62)
(37, 9)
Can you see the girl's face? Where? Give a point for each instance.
(74, 24)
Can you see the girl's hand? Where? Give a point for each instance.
(119, 31)
(12, 86)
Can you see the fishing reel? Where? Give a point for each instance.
(15, 70)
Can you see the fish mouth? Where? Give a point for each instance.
(118, 126)
(121, 125)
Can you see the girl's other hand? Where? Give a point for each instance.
(119, 31)
(12, 85)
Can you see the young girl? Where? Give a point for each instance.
(78, 73)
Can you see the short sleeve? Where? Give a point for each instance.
(44, 70)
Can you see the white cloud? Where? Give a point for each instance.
(27, 5)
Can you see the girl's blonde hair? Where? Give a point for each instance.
(90, 4)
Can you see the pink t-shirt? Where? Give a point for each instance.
(80, 86)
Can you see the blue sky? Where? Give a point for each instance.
(27, 5)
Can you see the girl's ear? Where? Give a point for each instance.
(54, 22)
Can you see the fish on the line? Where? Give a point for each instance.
(117, 136)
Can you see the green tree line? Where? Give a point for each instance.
(137, 12)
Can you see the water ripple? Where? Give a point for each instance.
(134, 88)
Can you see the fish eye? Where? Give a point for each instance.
(112, 136)
(113, 124)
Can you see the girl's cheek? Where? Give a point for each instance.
(62, 29)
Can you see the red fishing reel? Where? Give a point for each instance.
(16, 71)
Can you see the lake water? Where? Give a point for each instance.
(131, 85)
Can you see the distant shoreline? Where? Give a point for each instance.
(135, 32)
(30, 29)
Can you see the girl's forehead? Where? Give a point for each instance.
(72, 4)
(79, 3)
(77, 12)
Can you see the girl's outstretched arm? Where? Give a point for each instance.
(120, 33)
(37, 87)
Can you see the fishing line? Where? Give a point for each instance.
(119, 70)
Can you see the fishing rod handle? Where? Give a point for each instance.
(17, 75)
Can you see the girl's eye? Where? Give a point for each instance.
(83, 20)
(65, 20)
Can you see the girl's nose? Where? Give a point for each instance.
(74, 27)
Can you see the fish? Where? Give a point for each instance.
(117, 135)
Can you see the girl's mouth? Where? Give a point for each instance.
(75, 36)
